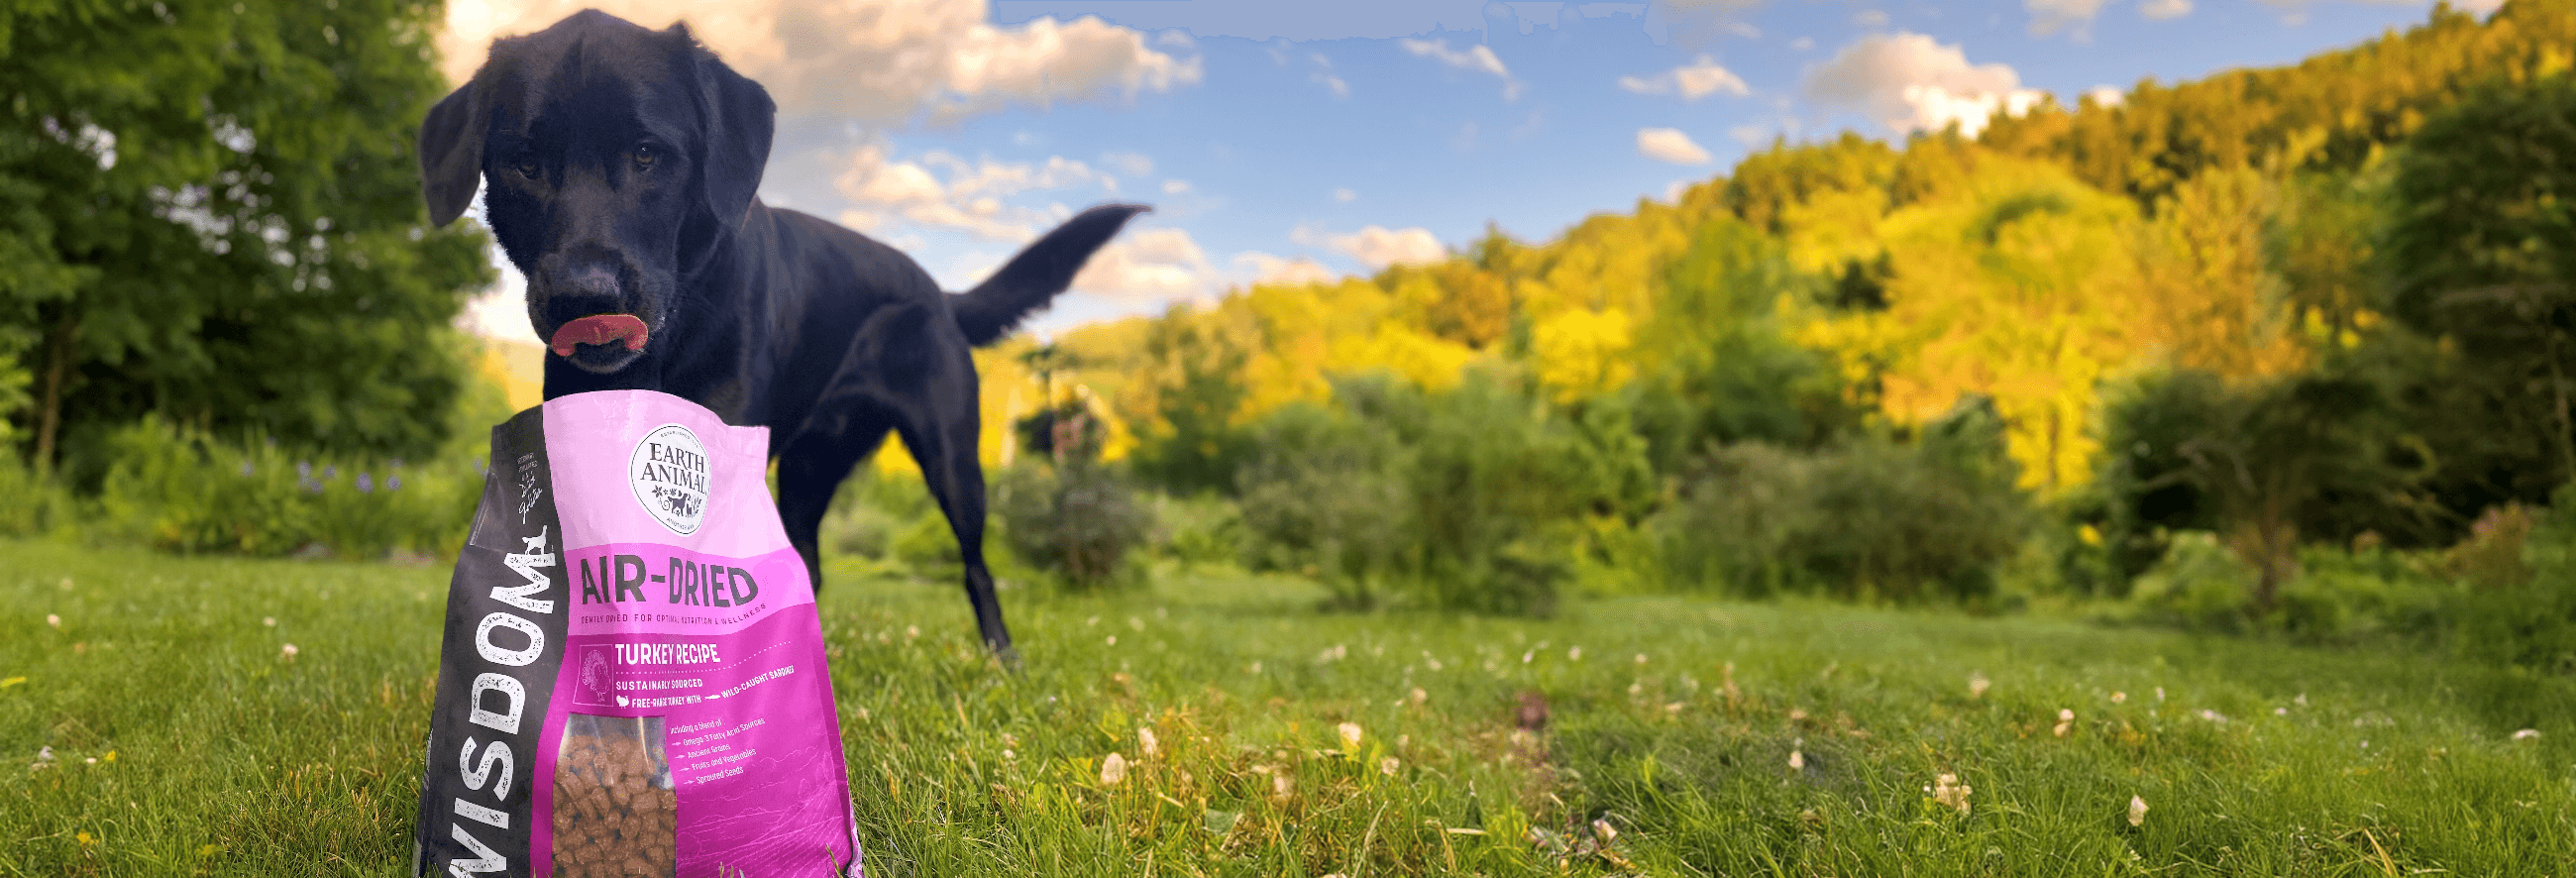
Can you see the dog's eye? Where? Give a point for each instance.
(645, 155)
(526, 166)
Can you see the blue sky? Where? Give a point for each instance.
(1337, 136)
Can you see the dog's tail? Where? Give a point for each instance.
(995, 307)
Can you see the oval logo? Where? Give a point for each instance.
(669, 474)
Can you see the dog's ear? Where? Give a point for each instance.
(451, 152)
(738, 119)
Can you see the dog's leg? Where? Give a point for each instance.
(940, 428)
(810, 471)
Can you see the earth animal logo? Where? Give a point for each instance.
(668, 471)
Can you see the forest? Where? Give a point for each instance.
(2280, 351)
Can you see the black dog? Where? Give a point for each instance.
(620, 166)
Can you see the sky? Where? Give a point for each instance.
(1321, 138)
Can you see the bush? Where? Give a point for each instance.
(1871, 518)
(36, 506)
(1081, 522)
(2341, 596)
(1495, 484)
(1471, 498)
(2517, 616)
(2199, 584)
(1195, 531)
(180, 490)
(1324, 497)
(890, 520)
(2345, 597)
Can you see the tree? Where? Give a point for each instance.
(2262, 463)
(1192, 443)
(2357, 98)
(211, 210)
(1717, 365)
(2017, 283)
(2480, 248)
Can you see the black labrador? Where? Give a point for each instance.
(620, 166)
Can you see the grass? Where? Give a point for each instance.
(1674, 725)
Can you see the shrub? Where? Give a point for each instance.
(2517, 616)
(2200, 584)
(1203, 530)
(1742, 508)
(180, 490)
(1871, 518)
(2347, 597)
(36, 506)
(1471, 498)
(1494, 483)
(2493, 554)
(1324, 497)
(1081, 522)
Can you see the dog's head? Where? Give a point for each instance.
(614, 158)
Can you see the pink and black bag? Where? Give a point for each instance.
(632, 679)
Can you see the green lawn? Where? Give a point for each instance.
(1675, 723)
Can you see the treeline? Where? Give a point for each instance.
(2301, 309)
(224, 322)
(2282, 348)
(210, 213)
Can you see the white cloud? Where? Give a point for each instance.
(1750, 134)
(1148, 265)
(1478, 57)
(1667, 144)
(1475, 59)
(1264, 268)
(2105, 95)
(882, 189)
(1870, 18)
(879, 60)
(2163, 10)
(1345, 195)
(2050, 16)
(1325, 77)
(1129, 163)
(2478, 7)
(1698, 79)
(1911, 83)
(1744, 29)
(1376, 246)
(989, 177)
(1802, 44)
(1175, 187)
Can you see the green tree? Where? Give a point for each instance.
(1768, 183)
(1719, 366)
(2480, 251)
(211, 210)
(2353, 100)
(2263, 464)
(1192, 443)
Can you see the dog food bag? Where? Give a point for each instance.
(632, 679)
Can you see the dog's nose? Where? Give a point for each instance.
(598, 280)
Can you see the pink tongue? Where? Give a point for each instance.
(599, 329)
